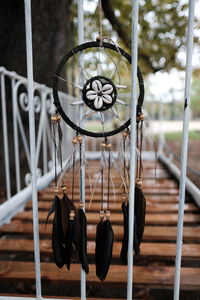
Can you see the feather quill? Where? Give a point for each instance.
(58, 236)
(83, 241)
(124, 249)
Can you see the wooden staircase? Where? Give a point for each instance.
(154, 267)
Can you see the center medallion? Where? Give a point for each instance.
(99, 93)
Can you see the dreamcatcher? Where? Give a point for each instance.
(102, 96)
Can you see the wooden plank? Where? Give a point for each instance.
(57, 297)
(146, 190)
(150, 233)
(161, 250)
(149, 198)
(151, 276)
(116, 207)
(117, 218)
(148, 183)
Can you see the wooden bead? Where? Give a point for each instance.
(74, 141)
(107, 214)
(79, 138)
(55, 189)
(71, 214)
(103, 145)
(58, 117)
(54, 119)
(124, 197)
(138, 182)
(63, 187)
(126, 133)
(109, 146)
(141, 117)
(101, 214)
(81, 205)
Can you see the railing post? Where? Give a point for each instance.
(134, 54)
(29, 58)
(184, 149)
(5, 136)
(81, 113)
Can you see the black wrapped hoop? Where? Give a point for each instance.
(57, 102)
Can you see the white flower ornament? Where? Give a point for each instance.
(100, 94)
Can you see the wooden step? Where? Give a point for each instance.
(153, 276)
(116, 207)
(117, 218)
(57, 297)
(146, 190)
(150, 233)
(97, 198)
(161, 250)
(159, 182)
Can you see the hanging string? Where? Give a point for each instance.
(74, 141)
(137, 145)
(102, 194)
(108, 199)
(100, 19)
(124, 149)
(141, 140)
(55, 155)
(80, 140)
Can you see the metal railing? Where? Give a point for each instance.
(15, 108)
(16, 139)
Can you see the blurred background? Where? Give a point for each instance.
(162, 39)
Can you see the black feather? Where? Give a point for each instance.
(83, 241)
(124, 249)
(140, 211)
(58, 236)
(104, 246)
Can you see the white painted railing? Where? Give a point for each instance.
(17, 161)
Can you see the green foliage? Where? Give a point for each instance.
(177, 136)
(195, 97)
(162, 31)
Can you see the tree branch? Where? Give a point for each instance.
(121, 31)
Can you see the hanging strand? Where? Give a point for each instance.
(80, 140)
(102, 187)
(54, 121)
(124, 149)
(141, 140)
(100, 20)
(137, 145)
(103, 147)
(55, 155)
(74, 142)
(108, 147)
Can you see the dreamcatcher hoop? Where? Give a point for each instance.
(57, 102)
